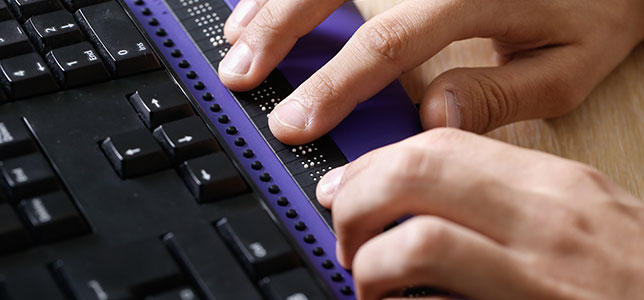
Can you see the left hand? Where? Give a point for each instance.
(491, 221)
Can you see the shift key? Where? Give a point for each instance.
(117, 40)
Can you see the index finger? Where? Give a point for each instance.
(261, 42)
(384, 47)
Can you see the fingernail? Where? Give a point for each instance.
(237, 61)
(328, 185)
(243, 13)
(290, 113)
(452, 112)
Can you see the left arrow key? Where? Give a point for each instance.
(134, 153)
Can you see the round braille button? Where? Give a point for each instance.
(146, 11)
(346, 290)
(291, 213)
(300, 226)
(240, 141)
(154, 22)
(168, 43)
(256, 165)
(184, 63)
(161, 32)
(327, 264)
(282, 201)
(337, 277)
(248, 153)
(231, 130)
(309, 239)
(265, 177)
(318, 251)
(215, 108)
(191, 74)
(207, 96)
(223, 119)
(175, 52)
(273, 189)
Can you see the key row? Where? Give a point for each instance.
(69, 60)
(23, 9)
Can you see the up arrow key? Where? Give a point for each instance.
(155, 102)
(131, 152)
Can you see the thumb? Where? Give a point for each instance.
(481, 99)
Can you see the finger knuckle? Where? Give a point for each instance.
(497, 102)
(427, 237)
(384, 38)
(440, 141)
(568, 227)
(268, 20)
(321, 87)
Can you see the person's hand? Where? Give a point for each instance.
(553, 52)
(490, 221)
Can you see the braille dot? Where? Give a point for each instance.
(248, 153)
(146, 11)
(337, 277)
(256, 165)
(176, 53)
(161, 32)
(239, 142)
(154, 22)
(273, 189)
(300, 226)
(318, 251)
(265, 177)
(168, 42)
(309, 239)
(291, 213)
(139, 2)
(346, 290)
(327, 264)
(207, 97)
(200, 85)
(231, 130)
(223, 119)
(191, 74)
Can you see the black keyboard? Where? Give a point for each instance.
(127, 171)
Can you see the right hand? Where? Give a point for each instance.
(553, 53)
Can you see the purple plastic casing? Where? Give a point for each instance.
(386, 118)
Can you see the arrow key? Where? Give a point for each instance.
(53, 30)
(26, 75)
(186, 138)
(76, 65)
(160, 103)
(134, 153)
(212, 177)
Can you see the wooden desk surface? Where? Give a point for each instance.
(606, 131)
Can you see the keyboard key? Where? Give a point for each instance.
(133, 271)
(212, 177)
(77, 65)
(24, 9)
(258, 242)
(5, 14)
(26, 75)
(52, 217)
(12, 235)
(27, 176)
(160, 104)
(13, 40)
(295, 284)
(53, 30)
(134, 153)
(15, 139)
(74, 5)
(122, 47)
(199, 250)
(184, 293)
(186, 138)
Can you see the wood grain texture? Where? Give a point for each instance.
(606, 131)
